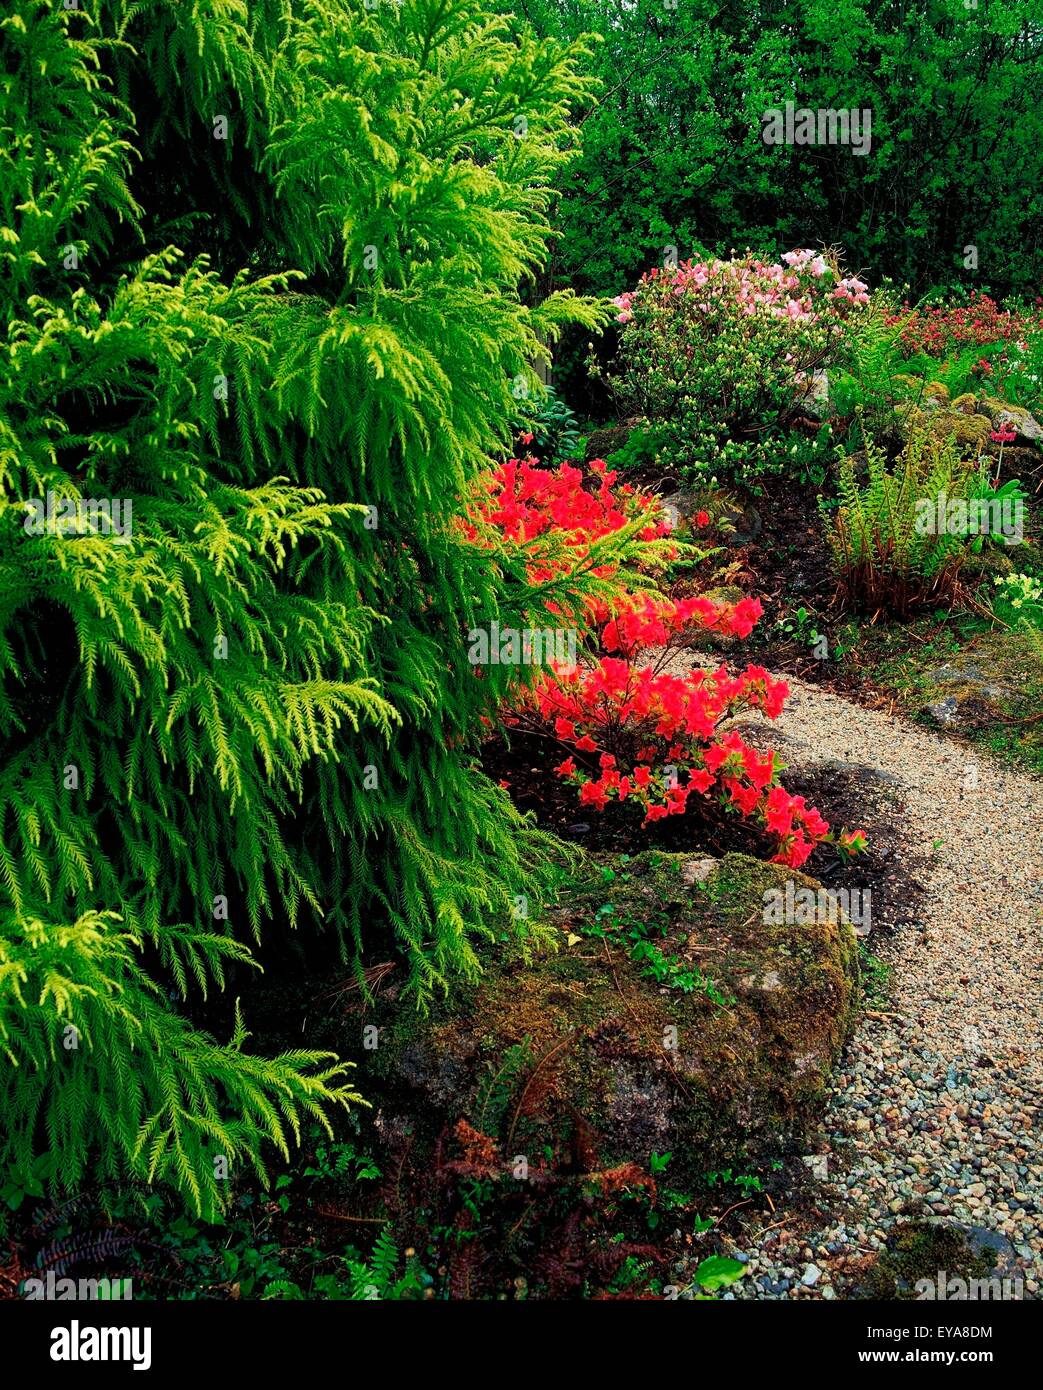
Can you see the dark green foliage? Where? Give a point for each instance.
(673, 155)
(261, 272)
(554, 428)
(640, 450)
(357, 1277)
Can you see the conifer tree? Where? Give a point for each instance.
(264, 321)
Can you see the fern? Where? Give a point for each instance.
(883, 554)
(870, 385)
(87, 1249)
(497, 1088)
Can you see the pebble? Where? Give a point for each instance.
(934, 1111)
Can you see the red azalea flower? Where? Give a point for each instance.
(652, 718)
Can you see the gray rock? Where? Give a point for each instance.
(746, 527)
(815, 401)
(945, 711)
(1028, 428)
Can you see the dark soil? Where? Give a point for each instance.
(526, 766)
(848, 797)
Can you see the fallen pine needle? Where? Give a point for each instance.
(735, 1207)
(777, 1224)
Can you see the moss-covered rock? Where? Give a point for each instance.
(937, 392)
(976, 686)
(932, 1252)
(991, 406)
(1001, 414)
(971, 432)
(603, 442)
(913, 384)
(1028, 428)
(581, 1049)
(989, 562)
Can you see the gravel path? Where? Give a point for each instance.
(937, 1109)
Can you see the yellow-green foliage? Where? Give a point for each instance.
(260, 277)
(75, 1004)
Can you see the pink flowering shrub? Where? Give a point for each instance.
(719, 356)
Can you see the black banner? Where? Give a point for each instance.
(160, 1338)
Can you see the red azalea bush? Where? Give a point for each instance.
(663, 727)
(636, 731)
(526, 501)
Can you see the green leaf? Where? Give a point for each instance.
(717, 1272)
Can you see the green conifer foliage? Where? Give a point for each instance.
(264, 286)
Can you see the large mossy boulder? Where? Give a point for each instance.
(607, 440)
(970, 419)
(581, 1057)
(933, 1258)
